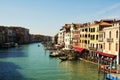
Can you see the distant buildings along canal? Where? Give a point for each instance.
(9, 35)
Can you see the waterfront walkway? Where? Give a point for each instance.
(114, 76)
(111, 76)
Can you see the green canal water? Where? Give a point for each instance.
(30, 62)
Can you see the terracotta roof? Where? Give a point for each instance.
(67, 25)
(106, 20)
(77, 24)
(93, 24)
(105, 24)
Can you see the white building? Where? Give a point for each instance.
(61, 36)
(111, 41)
(67, 36)
(67, 40)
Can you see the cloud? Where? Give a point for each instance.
(108, 9)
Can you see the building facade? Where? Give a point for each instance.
(67, 36)
(85, 36)
(111, 40)
(2, 35)
(75, 34)
(61, 36)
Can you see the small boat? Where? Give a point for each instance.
(16, 45)
(38, 45)
(6, 45)
(54, 54)
(63, 58)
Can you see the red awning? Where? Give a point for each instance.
(106, 54)
(78, 49)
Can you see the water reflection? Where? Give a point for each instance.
(12, 52)
(8, 71)
(80, 70)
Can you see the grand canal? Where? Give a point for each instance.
(30, 62)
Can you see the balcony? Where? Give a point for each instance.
(93, 48)
(109, 39)
(100, 50)
(75, 41)
(100, 39)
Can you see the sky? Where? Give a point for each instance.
(46, 17)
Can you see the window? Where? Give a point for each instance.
(104, 34)
(109, 46)
(96, 45)
(86, 30)
(88, 35)
(85, 35)
(90, 29)
(101, 46)
(116, 46)
(96, 37)
(93, 29)
(110, 34)
(85, 41)
(104, 45)
(82, 30)
(93, 45)
(93, 37)
(117, 34)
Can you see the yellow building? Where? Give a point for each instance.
(96, 37)
(85, 36)
(94, 28)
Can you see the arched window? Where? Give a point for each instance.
(116, 46)
(117, 34)
(101, 46)
(104, 34)
(110, 34)
(109, 46)
(104, 45)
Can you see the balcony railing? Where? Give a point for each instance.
(100, 39)
(101, 50)
(75, 41)
(109, 39)
(93, 48)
